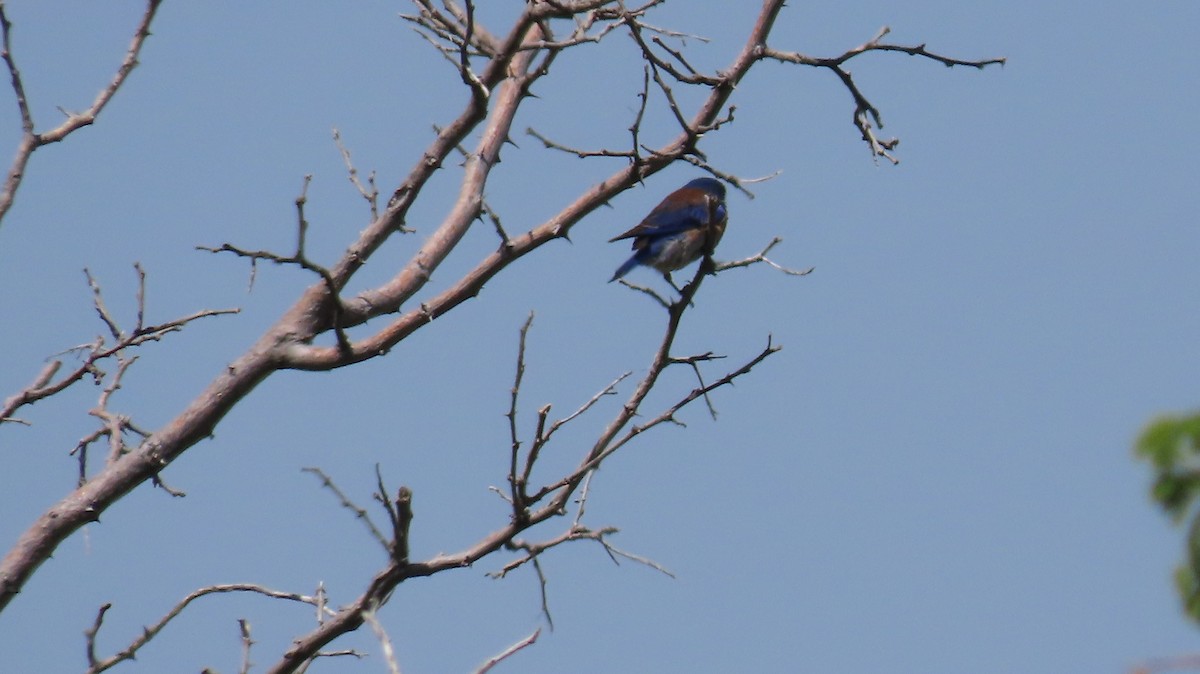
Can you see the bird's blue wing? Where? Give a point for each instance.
(677, 218)
(684, 209)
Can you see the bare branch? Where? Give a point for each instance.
(397, 571)
(141, 297)
(656, 63)
(866, 115)
(370, 195)
(585, 488)
(875, 44)
(43, 385)
(17, 85)
(452, 27)
(582, 154)
(360, 513)
(611, 389)
(298, 258)
(90, 637)
(148, 633)
(577, 532)
(247, 642)
(762, 257)
(611, 439)
(508, 652)
(644, 561)
(694, 361)
(404, 515)
(385, 642)
(27, 395)
(669, 414)
(30, 140)
(98, 302)
(555, 496)
(485, 209)
(157, 481)
(648, 291)
(515, 481)
(541, 576)
(633, 154)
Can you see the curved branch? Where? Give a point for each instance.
(30, 139)
(96, 665)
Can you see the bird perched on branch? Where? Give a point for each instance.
(685, 226)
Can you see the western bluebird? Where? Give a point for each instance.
(686, 225)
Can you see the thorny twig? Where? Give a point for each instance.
(864, 111)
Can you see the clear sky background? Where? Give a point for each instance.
(933, 476)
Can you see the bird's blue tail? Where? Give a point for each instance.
(625, 268)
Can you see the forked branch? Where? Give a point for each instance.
(31, 140)
(95, 353)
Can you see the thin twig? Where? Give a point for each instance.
(644, 561)
(370, 195)
(694, 361)
(508, 652)
(515, 482)
(385, 642)
(541, 576)
(129, 652)
(359, 512)
(44, 386)
(866, 116)
(247, 642)
(762, 257)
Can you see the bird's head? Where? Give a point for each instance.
(709, 185)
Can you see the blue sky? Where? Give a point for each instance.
(934, 474)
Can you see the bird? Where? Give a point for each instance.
(685, 226)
